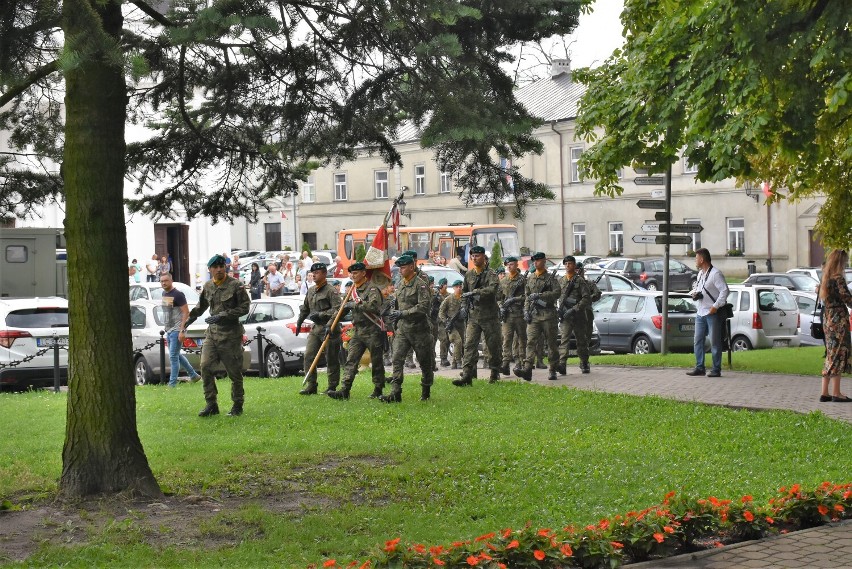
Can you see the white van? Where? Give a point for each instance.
(765, 316)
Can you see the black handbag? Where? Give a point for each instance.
(816, 324)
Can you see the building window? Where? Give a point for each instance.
(420, 180)
(340, 188)
(446, 183)
(381, 184)
(620, 173)
(616, 237)
(689, 168)
(696, 237)
(576, 152)
(579, 230)
(736, 234)
(309, 190)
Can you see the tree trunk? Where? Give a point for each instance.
(102, 452)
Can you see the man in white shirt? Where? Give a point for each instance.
(710, 295)
(274, 281)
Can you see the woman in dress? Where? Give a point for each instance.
(255, 281)
(835, 297)
(164, 268)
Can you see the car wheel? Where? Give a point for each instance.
(142, 371)
(274, 362)
(740, 344)
(642, 345)
(651, 286)
(692, 284)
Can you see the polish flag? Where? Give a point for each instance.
(283, 215)
(377, 255)
(767, 189)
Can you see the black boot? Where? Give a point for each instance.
(560, 367)
(209, 410)
(540, 365)
(523, 372)
(329, 389)
(310, 389)
(445, 363)
(584, 367)
(495, 376)
(377, 392)
(342, 394)
(463, 380)
(552, 376)
(425, 392)
(395, 396)
(505, 369)
(236, 410)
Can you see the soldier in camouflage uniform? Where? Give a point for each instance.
(574, 301)
(321, 305)
(453, 322)
(480, 290)
(411, 318)
(440, 332)
(594, 296)
(227, 299)
(514, 329)
(542, 292)
(366, 306)
(409, 362)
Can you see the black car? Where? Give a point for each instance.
(648, 273)
(804, 283)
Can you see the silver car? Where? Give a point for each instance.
(806, 301)
(765, 316)
(29, 328)
(146, 322)
(283, 351)
(154, 291)
(632, 321)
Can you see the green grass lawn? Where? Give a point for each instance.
(469, 461)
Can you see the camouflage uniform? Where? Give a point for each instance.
(366, 335)
(450, 307)
(324, 302)
(440, 331)
(514, 329)
(543, 318)
(482, 319)
(575, 301)
(223, 341)
(414, 301)
(594, 296)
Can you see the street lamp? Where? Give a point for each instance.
(751, 191)
(400, 201)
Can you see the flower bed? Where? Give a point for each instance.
(679, 524)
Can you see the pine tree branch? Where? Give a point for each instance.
(153, 14)
(35, 77)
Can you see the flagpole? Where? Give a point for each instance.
(330, 332)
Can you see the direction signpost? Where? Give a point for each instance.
(663, 215)
(663, 239)
(651, 204)
(650, 181)
(654, 227)
(678, 228)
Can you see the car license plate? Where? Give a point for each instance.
(687, 327)
(50, 342)
(780, 343)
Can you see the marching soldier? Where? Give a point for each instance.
(480, 290)
(542, 292)
(367, 332)
(594, 296)
(574, 301)
(453, 321)
(514, 329)
(440, 331)
(411, 318)
(227, 299)
(409, 361)
(321, 306)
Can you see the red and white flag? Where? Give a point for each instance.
(767, 189)
(377, 255)
(283, 215)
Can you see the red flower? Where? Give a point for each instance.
(501, 565)
(365, 565)
(748, 516)
(603, 524)
(847, 494)
(507, 532)
(436, 550)
(659, 537)
(794, 489)
(544, 532)
(512, 544)
(437, 561)
(391, 545)
(473, 560)
(669, 496)
(745, 499)
(419, 548)
(330, 563)
(770, 520)
(838, 507)
(822, 509)
(485, 557)
(668, 529)
(539, 554)
(718, 544)
(566, 550)
(485, 537)
(616, 544)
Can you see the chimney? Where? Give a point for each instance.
(560, 66)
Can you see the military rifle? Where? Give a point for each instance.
(506, 304)
(537, 304)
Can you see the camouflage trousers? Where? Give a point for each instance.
(577, 326)
(411, 338)
(477, 327)
(535, 330)
(229, 352)
(332, 357)
(358, 344)
(514, 331)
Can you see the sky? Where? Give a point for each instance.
(598, 34)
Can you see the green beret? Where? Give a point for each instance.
(318, 267)
(431, 278)
(334, 282)
(569, 259)
(457, 283)
(357, 267)
(442, 282)
(478, 249)
(511, 260)
(411, 253)
(537, 256)
(404, 260)
(501, 270)
(216, 260)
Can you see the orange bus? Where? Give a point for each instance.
(443, 239)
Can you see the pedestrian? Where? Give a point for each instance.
(175, 315)
(513, 329)
(164, 267)
(153, 274)
(440, 331)
(574, 302)
(131, 274)
(321, 305)
(480, 292)
(458, 263)
(368, 333)
(274, 281)
(542, 292)
(451, 319)
(235, 266)
(411, 319)
(594, 296)
(255, 282)
(137, 271)
(710, 294)
(223, 343)
(836, 298)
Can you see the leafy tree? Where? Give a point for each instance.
(496, 260)
(360, 252)
(239, 100)
(752, 89)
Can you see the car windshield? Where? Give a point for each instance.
(677, 305)
(449, 274)
(45, 317)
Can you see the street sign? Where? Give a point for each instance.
(651, 204)
(650, 181)
(680, 227)
(658, 194)
(655, 227)
(663, 239)
(663, 215)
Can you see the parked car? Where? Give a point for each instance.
(154, 291)
(439, 273)
(608, 282)
(765, 316)
(648, 273)
(283, 351)
(31, 326)
(816, 274)
(791, 281)
(614, 264)
(146, 322)
(806, 301)
(632, 321)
